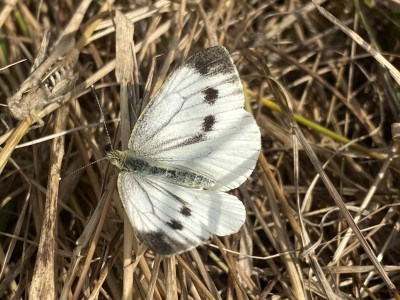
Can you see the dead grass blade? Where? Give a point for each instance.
(339, 77)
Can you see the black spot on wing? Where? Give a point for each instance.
(210, 95)
(186, 211)
(199, 137)
(212, 61)
(208, 123)
(174, 224)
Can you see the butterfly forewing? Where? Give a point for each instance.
(197, 122)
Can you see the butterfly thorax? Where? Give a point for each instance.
(127, 161)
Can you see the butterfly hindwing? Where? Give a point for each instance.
(197, 122)
(171, 219)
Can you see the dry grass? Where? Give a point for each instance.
(300, 239)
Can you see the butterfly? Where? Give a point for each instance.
(192, 143)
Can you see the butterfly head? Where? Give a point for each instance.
(117, 158)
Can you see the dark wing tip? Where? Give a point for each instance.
(212, 61)
(159, 242)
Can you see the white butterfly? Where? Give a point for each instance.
(192, 143)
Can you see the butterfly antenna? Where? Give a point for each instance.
(82, 168)
(102, 117)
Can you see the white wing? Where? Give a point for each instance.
(197, 122)
(171, 219)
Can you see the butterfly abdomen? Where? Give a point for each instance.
(186, 178)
